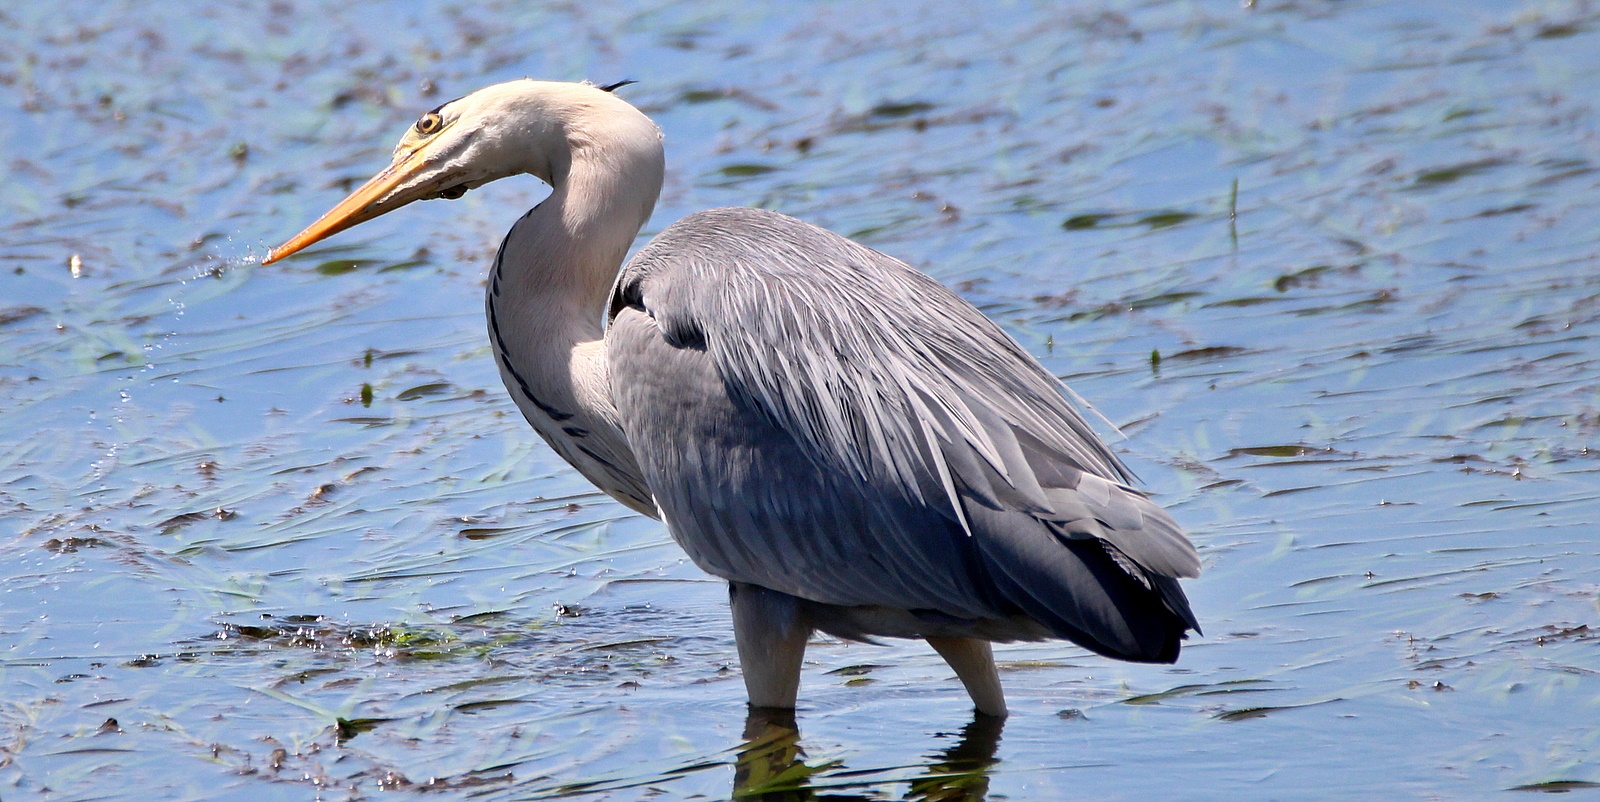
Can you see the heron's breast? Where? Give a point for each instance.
(592, 445)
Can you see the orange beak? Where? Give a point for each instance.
(374, 198)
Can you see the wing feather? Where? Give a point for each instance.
(820, 419)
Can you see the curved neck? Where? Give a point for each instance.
(547, 295)
(548, 288)
(558, 262)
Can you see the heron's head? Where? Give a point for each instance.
(517, 127)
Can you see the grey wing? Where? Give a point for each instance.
(820, 419)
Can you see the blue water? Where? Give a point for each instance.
(277, 533)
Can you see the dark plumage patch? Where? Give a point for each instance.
(503, 353)
(440, 107)
(683, 333)
(628, 293)
(618, 85)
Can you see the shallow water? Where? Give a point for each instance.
(277, 532)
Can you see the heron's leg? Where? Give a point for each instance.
(771, 632)
(973, 662)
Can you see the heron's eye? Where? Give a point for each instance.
(429, 124)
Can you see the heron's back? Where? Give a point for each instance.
(817, 418)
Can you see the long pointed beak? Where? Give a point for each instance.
(373, 199)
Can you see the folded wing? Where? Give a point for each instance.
(820, 419)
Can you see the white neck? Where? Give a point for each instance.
(558, 263)
(548, 290)
(547, 295)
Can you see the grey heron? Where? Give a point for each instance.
(851, 445)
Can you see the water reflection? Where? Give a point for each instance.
(1379, 410)
(771, 765)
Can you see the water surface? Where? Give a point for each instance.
(277, 532)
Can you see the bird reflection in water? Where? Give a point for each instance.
(771, 765)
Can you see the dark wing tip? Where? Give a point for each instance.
(618, 85)
(1079, 590)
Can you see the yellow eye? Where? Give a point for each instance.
(429, 124)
